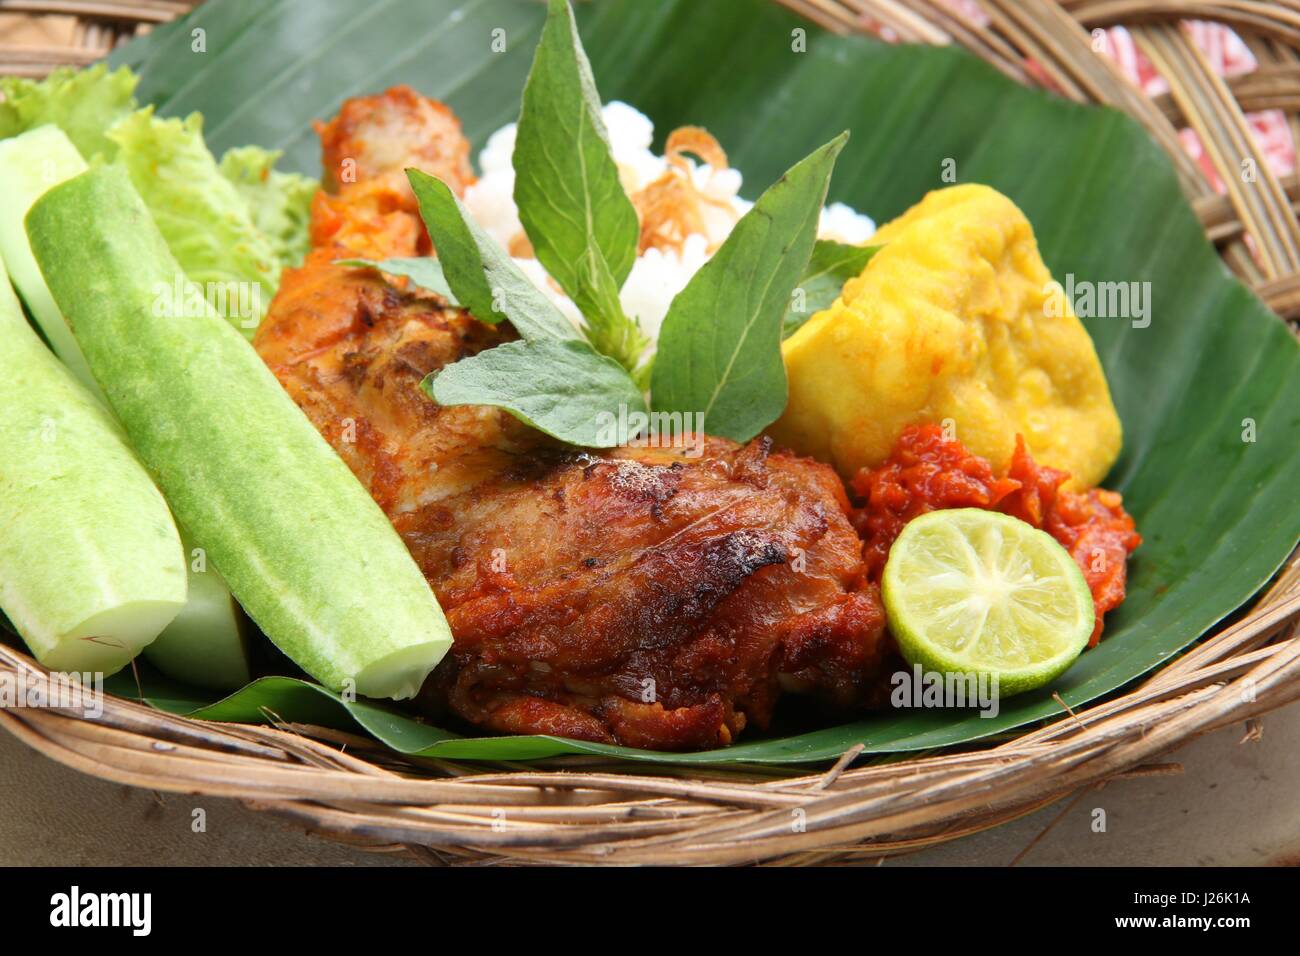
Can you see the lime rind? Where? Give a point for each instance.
(972, 591)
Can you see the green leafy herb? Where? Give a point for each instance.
(720, 345)
(582, 226)
(561, 387)
(832, 264)
(554, 380)
(719, 352)
(424, 271)
(480, 273)
(584, 233)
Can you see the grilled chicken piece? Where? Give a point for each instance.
(642, 596)
(647, 597)
(374, 139)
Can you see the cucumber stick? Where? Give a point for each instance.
(30, 164)
(309, 555)
(91, 566)
(206, 644)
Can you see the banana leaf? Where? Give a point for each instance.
(1219, 513)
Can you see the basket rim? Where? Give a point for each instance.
(353, 789)
(579, 811)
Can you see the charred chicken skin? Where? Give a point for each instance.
(651, 597)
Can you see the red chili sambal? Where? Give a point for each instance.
(928, 472)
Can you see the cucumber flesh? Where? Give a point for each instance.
(310, 556)
(91, 567)
(207, 644)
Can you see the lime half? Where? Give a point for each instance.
(979, 592)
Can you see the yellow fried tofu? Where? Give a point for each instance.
(955, 318)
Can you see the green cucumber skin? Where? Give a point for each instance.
(26, 161)
(83, 531)
(205, 644)
(310, 556)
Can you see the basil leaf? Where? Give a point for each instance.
(583, 228)
(480, 273)
(426, 272)
(554, 380)
(720, 346)
(563, 388)
(832, 264)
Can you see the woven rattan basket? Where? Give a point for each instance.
(574, 810)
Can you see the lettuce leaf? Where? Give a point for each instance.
(232, 226)
(280, 203)
(82, 103)
(204, 217)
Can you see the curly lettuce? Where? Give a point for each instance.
(82, 103)
(279, 202)
(232, 225)
(203, 216)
